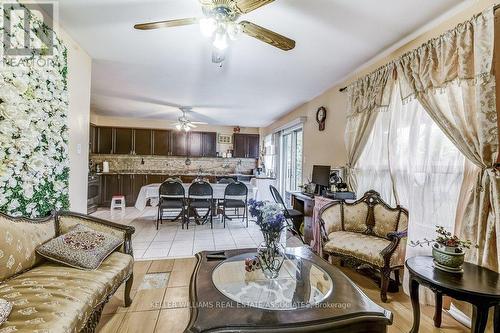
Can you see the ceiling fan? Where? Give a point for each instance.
(183, 123)
(220, 24)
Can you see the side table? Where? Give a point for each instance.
(476, 285)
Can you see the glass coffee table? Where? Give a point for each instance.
(300, 284)
(309, 295)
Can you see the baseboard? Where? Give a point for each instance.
(459, 316)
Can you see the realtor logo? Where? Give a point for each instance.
(27, 29)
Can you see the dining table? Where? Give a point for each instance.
(151, 192)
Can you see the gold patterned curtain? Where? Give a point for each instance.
(365, 96)
(452, 77)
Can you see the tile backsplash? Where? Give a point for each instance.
(176, 165)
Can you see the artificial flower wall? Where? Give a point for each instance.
(34, 165)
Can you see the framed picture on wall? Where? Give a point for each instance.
(336, 174)
(225, 138)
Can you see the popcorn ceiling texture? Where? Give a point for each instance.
(176, 165)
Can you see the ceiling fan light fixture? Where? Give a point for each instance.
(208, 26)
(178, 127)
(220, 41)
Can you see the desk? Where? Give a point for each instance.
(310, 206)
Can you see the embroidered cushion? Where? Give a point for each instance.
(18, 240)
(5, 308)
(81, 247)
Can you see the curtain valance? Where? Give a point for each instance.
(464, 53)
(371, 92)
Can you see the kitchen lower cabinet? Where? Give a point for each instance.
(110, 185)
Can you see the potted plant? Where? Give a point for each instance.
(270, 219)
(448, 250)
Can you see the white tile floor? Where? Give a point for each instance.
(171, 241)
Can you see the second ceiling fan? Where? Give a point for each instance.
(220, 23)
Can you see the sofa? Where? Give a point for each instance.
(367, 231)
(51, 297)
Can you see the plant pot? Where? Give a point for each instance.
(448, 258)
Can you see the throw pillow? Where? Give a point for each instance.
(81, 247)
(5, 308)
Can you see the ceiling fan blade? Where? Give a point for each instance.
(199, 123)
(166, 24)
(191, 125)
(267, 36)
(246, 6)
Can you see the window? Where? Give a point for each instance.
(291, 160)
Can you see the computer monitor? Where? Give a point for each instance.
(321, 175)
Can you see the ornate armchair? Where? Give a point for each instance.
(367, 230)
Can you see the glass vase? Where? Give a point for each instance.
(271, 254)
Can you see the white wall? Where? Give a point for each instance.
(79, 74)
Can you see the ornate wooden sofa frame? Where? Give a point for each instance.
(369, 231)
(46, 228)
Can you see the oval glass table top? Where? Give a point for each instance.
(300, 284)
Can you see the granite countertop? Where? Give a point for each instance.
(178, 173)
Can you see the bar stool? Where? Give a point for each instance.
(118, 201)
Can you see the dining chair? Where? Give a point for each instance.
(200, 196)
(235, 197)
(172, 197)
(293, 215)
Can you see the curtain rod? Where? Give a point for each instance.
(495, 8)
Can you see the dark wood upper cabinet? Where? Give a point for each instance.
(105, 140)
(143, 142)
(123, 141)
(209, 143)
(179, 142)
(253, 145)
(246, 145)
(92, 139)
(161, 142)
(195, 146)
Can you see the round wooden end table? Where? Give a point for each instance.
(476, 285)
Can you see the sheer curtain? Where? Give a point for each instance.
(411, 162)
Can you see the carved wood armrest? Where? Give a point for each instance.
(395, 238)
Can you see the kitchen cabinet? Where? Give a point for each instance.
(123, 141)
(92, 139)
(209, 143)
(246, 145)
(110, 186)
(105, 140)
(179, 144)
(202, 144)
(195, 144)
(143, 142)
(109, 140)
(161, 142)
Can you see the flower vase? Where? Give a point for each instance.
(271, 254)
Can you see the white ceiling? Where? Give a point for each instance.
(144, 74)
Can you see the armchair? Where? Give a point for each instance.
(367, 230)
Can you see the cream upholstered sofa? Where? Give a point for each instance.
(367, 230)
(50, 297)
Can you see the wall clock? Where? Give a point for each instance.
(321, 118)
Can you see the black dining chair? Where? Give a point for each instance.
(235, 197)
(172, 197)
(293, 215)
(200, 196)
